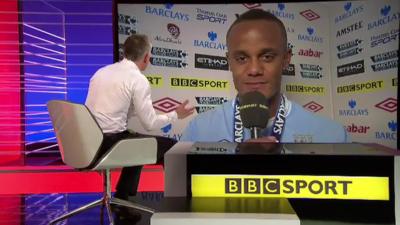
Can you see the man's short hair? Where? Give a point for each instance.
(259, 14)
(136, 46)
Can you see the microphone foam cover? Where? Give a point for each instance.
(254, 110)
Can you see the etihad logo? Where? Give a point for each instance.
(313, 106)
(281, 12)
(167, 12)
(212, 44)
(289, 70)
(357, 129)
(209, 16)
(155, 80)
(349, 29)
(166, 104)
(252, 5)
(178, 82)
(310, 36)
(351, 68)
(386, 18)
(168, 52)
(365, 87)
(384, 38)
(353, 111)
(310, 53)
(389, 105)
(305, 89)
(390, 134)
(311, 71)
(385, 61)
(210, 62)
(349, 12)
(309, 15)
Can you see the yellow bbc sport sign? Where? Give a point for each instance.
(291, 186)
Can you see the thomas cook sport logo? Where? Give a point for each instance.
(166, 104)
(351, 68)
(209, 16)
(385, 61)
(387, 16)
(126, 24)
(353, 111)
(313, 106)
(176, 58)
(311, 71)
(206, 103)
(289, 70)
(310, 36)
(389, 105)
(349, 48)
(309, 15)
(390, 134)
(350, 11)
(210, 62)
(167, 12)
(384, 38)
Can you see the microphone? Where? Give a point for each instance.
(254, 112)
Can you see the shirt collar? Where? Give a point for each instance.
(129, 63)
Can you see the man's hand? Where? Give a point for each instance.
(183, 110)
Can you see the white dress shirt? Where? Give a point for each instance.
(120, 90)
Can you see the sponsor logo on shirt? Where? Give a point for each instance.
(210, 62)
(309, 15)
(387, 16)
(166, 104)
(313, 106)
(211, 43)
(310, 36)
(384, 38)
(354, 110)
(350, 68)
(209, 16)
(311, 71)
(305, 89)
(389, 105)
(364, 87)
(385, 61)
(389, 134)
(167, 12)
(349, 12)
(179, 82)
(349, 29)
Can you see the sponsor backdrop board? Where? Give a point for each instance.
(344, 63)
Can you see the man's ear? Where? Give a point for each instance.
(146, 58)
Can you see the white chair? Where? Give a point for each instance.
(79, 138)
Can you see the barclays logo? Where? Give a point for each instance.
(385, 19)
(390, 134)
(310, 36)
(349, 12)
(211, 43)
(281, 12)
(167, 12)
(353, 111)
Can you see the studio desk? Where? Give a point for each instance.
(308, 184)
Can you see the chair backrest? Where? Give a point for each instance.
(78, 135)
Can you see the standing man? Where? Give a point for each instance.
(257, 54)
(120, 90)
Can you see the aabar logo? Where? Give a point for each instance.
(166, 104)
(389, 105)
(290, 186)
(353, 111)
(357, 129)
(210, 62)
(390, 134)
(313, 106)
(351, 68)
(179, 82)
(349, 29)
(310, 53)
(309, 15)
(365, 87)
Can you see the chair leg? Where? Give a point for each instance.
(76, 211)
(117, 201)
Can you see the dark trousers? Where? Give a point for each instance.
(129, 180)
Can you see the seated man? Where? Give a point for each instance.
(257, 54)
